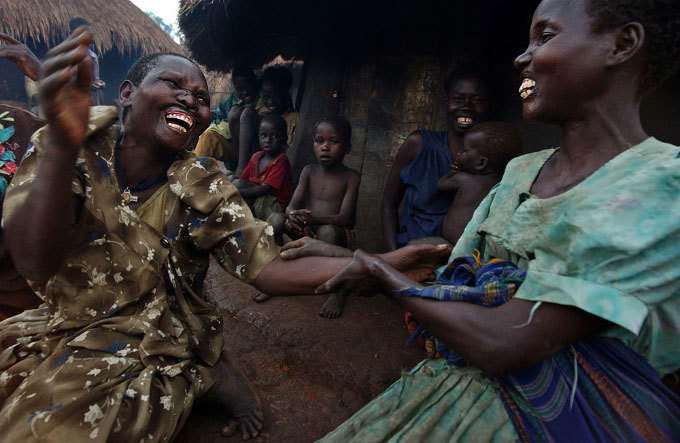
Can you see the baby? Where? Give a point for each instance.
(266, 181)
(478, 167)
(324, 202)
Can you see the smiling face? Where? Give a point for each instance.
(563, 68)
(329, 147)
(272, 137)
(170, 107)
(467, 102)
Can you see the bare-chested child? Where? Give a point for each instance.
(324, 202)
(478, 167)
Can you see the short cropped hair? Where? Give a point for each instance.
(341, 125)
(501, 143)
(77, 22)
(278, 76)
(141, 67)
(244, 71)
(661, 20)
(279, 123)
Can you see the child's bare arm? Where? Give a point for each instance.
(251, 192)
(345, 218)
(450, 182)
(300, 193)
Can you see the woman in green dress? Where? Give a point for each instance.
(577, 352)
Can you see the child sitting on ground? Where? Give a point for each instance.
(324, 202)
(266, 181)
(478, 167)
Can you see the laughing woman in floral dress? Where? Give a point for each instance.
(113, 229)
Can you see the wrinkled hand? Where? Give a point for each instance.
(19, 53)
(65, 96)
(355, 278)
(418, 261)
(309, 247)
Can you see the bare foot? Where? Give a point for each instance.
(333, 306)
(237, 398)
(260, 296)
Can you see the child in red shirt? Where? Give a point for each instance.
(266, 182)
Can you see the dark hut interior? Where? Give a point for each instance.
(381, 65)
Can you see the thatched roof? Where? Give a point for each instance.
(116, 24)
(222, 32)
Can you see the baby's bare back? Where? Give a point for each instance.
(327, 190)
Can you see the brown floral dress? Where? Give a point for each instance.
(121, 347)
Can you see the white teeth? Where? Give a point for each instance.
(527, 88)
(177, 127)
(464, 120)
(182, 117)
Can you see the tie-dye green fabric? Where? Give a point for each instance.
(121, 348)
(609, 246)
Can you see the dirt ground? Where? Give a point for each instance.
(311, 373)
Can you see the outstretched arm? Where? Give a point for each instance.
(394, 189)
(495, 340)
(40, 231)
(345, 218)
(19, 53)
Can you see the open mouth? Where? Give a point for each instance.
(180, 122)
(465, 122)
(527, 88)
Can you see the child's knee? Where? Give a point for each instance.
(239, 183)
(235, 113)
(331, 234)
(277, 220)
(248, 115)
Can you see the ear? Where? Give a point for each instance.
(629, 40)
(482, 163)
(125, 93)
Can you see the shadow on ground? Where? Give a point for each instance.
(311, 373)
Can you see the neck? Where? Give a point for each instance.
(140, 162)
(455, 141)
(607, 129)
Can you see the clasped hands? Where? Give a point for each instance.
(369, 274)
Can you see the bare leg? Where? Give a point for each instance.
(236, 396)
(278, 222)
(247, 137)
(336, 302)
(234, 125)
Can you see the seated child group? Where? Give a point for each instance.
(253, 127)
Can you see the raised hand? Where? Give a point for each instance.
(19, 53)
(355, 278)
(65, 96)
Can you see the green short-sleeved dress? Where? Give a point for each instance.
(609, 246)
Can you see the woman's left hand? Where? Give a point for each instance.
(310, 247)
(356, 278)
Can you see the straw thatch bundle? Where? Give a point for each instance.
(116, 24)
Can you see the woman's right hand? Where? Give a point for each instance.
(355, 278)
(65, 95)
(19, 53)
